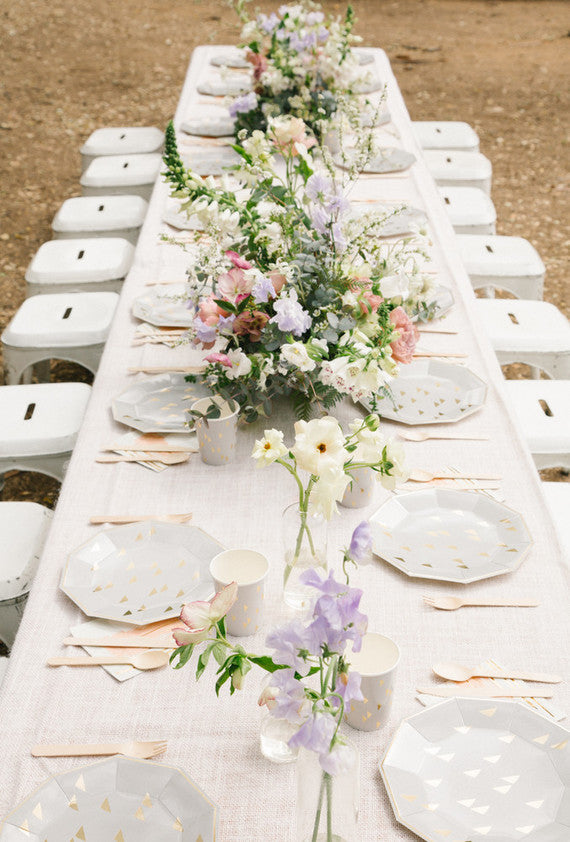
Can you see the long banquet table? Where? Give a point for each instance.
(216, 741)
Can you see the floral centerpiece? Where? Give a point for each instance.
(300, 297)
(303, 66)
(309, 666)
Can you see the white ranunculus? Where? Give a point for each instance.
(395, 286)
(296, 354)
(269, 448)
(319, 444)
(395, 454)
(241, 364)
(328, 490)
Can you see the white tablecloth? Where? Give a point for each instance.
(217, 741)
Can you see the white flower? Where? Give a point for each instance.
(296, 354)
(241, 364)
(370, 443)
(329, 488)
(395, 286)
(269, 448)
(359, 378)
(395, 454)
(319, 444)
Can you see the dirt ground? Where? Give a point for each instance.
(71, 66)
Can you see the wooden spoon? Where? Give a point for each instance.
(420, 435)
(457, 672)
(141, 660)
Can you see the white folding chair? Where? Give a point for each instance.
(23, 530)
(97, 265)
(100, 216)
(557, 496)
(446, 134)
(121, 140)
(459, 169)
(531, 332)
(66, 326)
(543, 409)
(470, 210)
(40, 423)
(507, 263)
(121, 174)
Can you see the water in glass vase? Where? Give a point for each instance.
(274, 736)
(304, 547)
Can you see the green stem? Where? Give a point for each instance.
(319, 809)
(328, 785)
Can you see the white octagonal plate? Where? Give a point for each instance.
(141, 572)
(430, 391)
(387, 159)
(232, 57)
(225, 84)
(209, 161)
(159, 404)
(165, 308)
(453, 536)
(399, 219)
(115, 800)
(209, 121)
(468, 769)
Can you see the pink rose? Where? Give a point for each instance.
(259, 63)
(209, 311)
(219, 358)
(404, 346)
(234, 283)
(238, 261)
(368, 301)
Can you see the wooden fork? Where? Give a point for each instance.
(452, 603)
(142, 750)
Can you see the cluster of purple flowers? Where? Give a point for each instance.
(328, 205)
(290, 316)
(336, 621)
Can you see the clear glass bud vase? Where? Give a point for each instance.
(327, 805)
(304, 546)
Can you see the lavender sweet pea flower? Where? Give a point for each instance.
(243, 104)
(287, 642)
(263, 290)
(268, 24)
(318, 187)
(290, 316)
(338, 237)
(205, 333)
(315, 734)
(290, 701)
(348, 686)
(337, 761)
(322, 634)
(323, 34)
(225, 322)
(314, 18)
(361, 542)
(312, 579)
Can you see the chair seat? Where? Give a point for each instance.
(499, 257)
(460, 169)
(557, 496)
(123, 140)
(446, 134)
(545, 434)
(536, 326)
(80, 261)
(96, 214)
(470, 210)
(62, 320)
(42, 418)
(122, 171)
(23, 530)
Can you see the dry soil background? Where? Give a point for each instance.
(71, 66)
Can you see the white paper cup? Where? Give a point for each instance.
(376, 662)
(216, 436)
(360, 490)
(249, 570)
